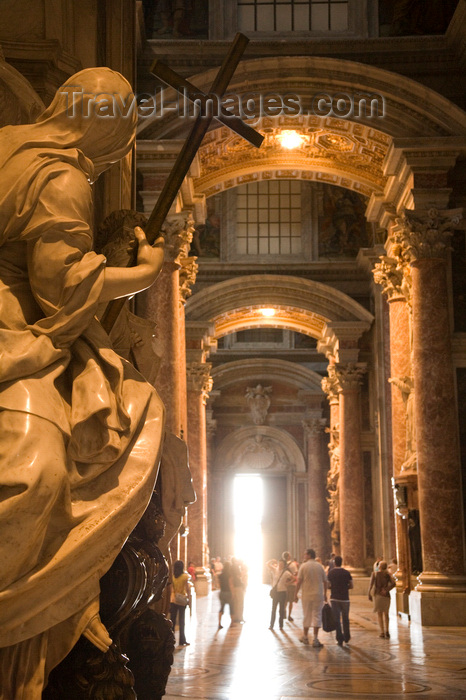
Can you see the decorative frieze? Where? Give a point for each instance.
(425, 233)
(177, 231)
(188, 273)
(393, 276)
(330, 385)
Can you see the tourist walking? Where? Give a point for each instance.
(180, 597)
(292, 567)
(340, 581)
(238, 590)
(380, 586)
(226, 592)
(281, 578)
(313, 582)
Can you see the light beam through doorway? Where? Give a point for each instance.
(248, 509)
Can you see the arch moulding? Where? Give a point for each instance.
(302, 305)
(259, 449)
(265, 370)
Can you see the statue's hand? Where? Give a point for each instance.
(152, 256)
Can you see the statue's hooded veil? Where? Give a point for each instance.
(68, 131)
(95, 112)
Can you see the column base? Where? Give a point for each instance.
(203, 582)
(439, 609)
(439, 600)
(360, 585)
(402, 603)
(356, 572)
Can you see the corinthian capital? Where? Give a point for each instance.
(188, 274)
(349, 377)
(199, 379)
(425, 234)
(390, 273)
(313, 426)
(178, 233)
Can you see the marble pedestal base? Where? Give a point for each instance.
(360, 585)
(203, 582)
(438, 608)
(402, 602)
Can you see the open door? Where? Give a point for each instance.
(274, 520)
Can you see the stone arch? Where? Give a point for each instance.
(264, 369)
(261, 449)
(302, 305)
(412, 109)
(348, 152)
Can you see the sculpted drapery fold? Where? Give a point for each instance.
(81, 429)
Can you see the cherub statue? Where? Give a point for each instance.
(81, 429)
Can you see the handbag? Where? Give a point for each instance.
(181, 599)
(273, 590)
(328, 621)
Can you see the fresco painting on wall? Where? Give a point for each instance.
(342, 226)
(206, 237)
(179, 19)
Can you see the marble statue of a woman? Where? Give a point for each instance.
(80, 429)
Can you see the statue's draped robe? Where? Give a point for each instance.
(80, 429)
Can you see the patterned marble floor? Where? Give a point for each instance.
(250, 662)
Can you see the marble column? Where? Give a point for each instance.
(199, 383)
(187, 276)
(161, 303)
(330, 387)
(423, 237)
(313, 427)
(394, 277)
(351, 481)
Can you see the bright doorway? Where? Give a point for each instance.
(248, 505)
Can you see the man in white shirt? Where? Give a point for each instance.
(313, 581)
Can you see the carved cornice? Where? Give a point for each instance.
(177, 231)
(425, 234)
(349, 377)
(188, 274)
(198, 378)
